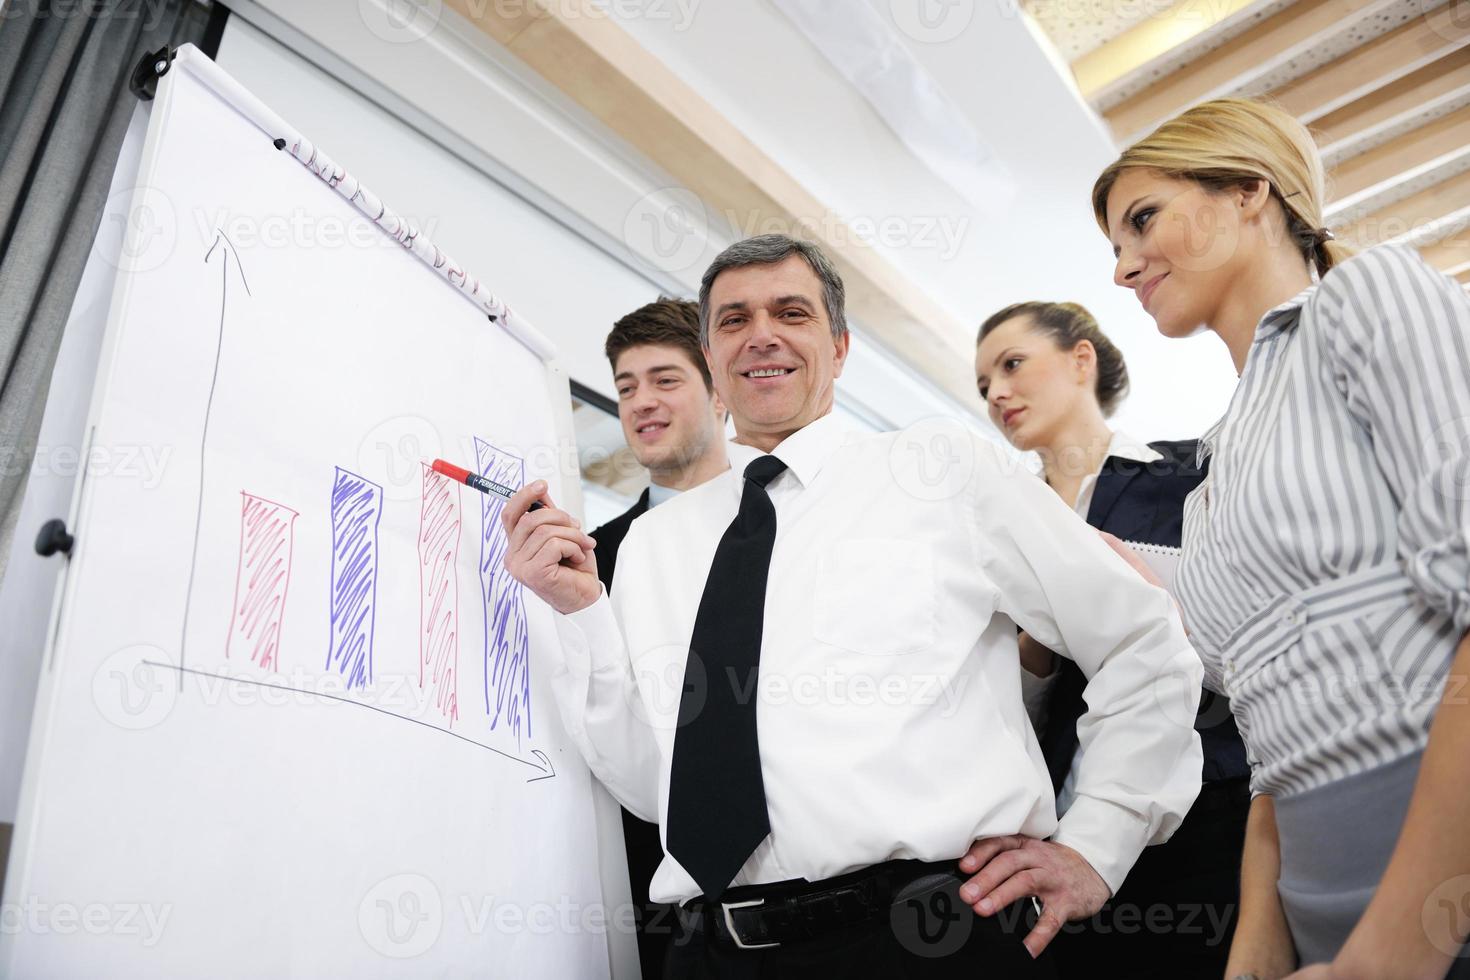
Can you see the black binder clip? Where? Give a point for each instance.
(151, 68)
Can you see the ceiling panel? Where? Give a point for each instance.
(1384, 85)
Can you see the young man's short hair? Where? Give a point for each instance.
(666, 322)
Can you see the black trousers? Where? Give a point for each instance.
(929, 934)
(1175, 915)
(654, 922)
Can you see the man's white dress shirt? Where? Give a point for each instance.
(889, 698)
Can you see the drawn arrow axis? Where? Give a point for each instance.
(549, 769)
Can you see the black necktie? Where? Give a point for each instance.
(717, 800)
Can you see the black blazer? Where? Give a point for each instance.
(1142, 502)
(610, 537)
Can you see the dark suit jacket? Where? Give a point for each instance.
(610, 537)
(1142, 502)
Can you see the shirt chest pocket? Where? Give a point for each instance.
(876, 596)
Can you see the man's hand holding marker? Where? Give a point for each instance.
(548, 551)
(546, 548)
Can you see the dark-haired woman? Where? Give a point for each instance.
(1050, 377)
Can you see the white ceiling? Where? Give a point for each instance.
(1007, 82)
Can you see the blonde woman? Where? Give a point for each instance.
(1326, 570)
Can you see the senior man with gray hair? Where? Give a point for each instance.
(808, 673)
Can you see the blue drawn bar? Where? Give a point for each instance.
(357, 508)
(507, 641)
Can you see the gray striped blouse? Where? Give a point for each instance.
(1325, 577)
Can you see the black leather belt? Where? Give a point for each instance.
(764, 916)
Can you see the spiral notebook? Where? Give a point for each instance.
(1163, 559)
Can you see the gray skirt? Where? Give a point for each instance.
(1336, 840)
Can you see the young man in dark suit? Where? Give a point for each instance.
(675, 425)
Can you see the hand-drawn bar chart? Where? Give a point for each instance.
(507, 643)
(357, 508)
(438, 544)
(374, 640)
(262, 579)
(263, 596)
(267, 541)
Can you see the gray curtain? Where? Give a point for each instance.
(64, 107)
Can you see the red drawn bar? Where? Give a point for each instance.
(439, 525)
(267, 531)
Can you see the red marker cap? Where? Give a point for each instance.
(450, 470)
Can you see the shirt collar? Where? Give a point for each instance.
(1284, 317)
(1124, 446)
(804, 452)
(658, 495)
(1207, 442)
(1277, 320)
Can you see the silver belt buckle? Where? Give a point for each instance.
(727, 908)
